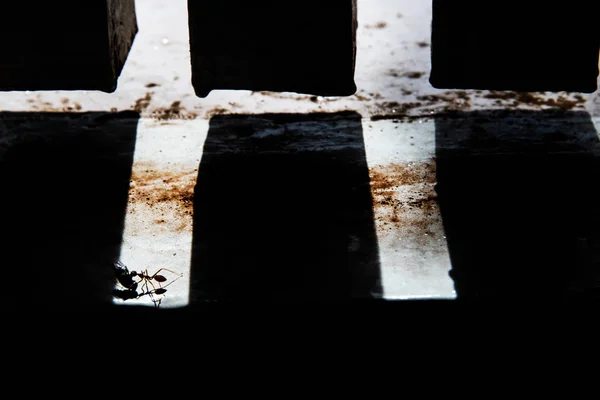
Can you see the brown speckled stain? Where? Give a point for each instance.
(415, 74)
(216, 111)
(39, 105)
(164, 114)
(404, 195)
(432, 105)
(143, 103)
(516, 99)
(174, 111)
(168, 194)
(377, 25)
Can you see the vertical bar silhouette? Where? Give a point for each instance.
(305, 47)
(526, 45)
(65, 44)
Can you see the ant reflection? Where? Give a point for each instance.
(127, 279)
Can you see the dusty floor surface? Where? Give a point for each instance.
(399, 192)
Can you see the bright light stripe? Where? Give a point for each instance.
(163, 149)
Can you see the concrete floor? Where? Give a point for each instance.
(400, 198)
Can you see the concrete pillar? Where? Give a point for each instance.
(306, 46)
(65, 44)
(521, 45)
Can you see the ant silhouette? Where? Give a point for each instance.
(126, 279)
(129, 294)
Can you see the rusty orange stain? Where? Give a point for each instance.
(404, 197)
(165, 194)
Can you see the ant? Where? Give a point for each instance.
(147, 279)
(126, 279)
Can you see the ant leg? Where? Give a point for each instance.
(165, 269)
(148, 280)
(150, 294)
(173, 281)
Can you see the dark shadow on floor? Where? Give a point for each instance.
(65, 180)
(283, 212)
(518, 193)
